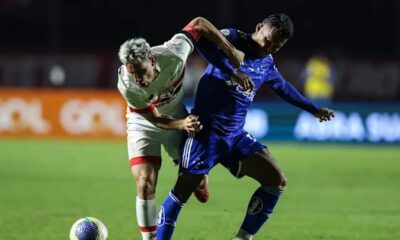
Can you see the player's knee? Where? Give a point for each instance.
(145, 185)
(283, 181)
(277, 180)
(186, 184)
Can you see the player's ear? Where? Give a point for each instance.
(153, 60)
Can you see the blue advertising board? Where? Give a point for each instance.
(353, 122)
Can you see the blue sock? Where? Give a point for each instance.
(260, 207)
(167, 216)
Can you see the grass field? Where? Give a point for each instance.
(349, 192)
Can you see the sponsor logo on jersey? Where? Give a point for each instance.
(248, 94)
(170, 93)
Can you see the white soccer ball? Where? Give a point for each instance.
(88, 228)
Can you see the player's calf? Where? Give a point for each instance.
(146, 177)
(201, 192)
(146, 210)
(262, 167)
(259, 209)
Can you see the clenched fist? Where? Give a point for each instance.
(191, 124)
(324, 114)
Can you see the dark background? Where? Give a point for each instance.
(361, 37)
(350, 28)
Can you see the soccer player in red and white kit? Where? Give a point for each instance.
(150, 80)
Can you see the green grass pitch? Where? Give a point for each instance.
(349, 192)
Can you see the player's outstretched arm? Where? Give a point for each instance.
(288, 92)
(189, 124)
(200, 26)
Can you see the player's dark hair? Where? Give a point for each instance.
(282, 23)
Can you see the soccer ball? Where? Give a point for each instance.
(88, 228)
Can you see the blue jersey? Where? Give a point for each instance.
(222, 104)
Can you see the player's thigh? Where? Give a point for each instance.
(200, 152)
(172, 144)
(144, 147)
(174, 138)
(263, 167)
(242, 145)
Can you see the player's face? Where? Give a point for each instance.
(143, 72)
(269, 38)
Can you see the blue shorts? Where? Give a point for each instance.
(201, 151)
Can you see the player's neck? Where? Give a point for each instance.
(258, 48)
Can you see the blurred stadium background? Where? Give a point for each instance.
(62, 132)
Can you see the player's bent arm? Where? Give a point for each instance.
(200, 26)
(190, 123)
(214, 56)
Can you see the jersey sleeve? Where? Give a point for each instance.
(287, 91)
(230, 33)
(180, 45)
(136, 101)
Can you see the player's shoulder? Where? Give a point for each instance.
(268, 59)
(175, 49)
(270, 63)
(234, 34)
(180, 38)
(165, 57)
(160, 50)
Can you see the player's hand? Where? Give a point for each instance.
(191, 124)
(236, 57)
(324, 114)
(243, 80)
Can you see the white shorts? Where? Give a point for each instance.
(145, 139)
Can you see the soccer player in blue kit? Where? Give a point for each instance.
(223, 97)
